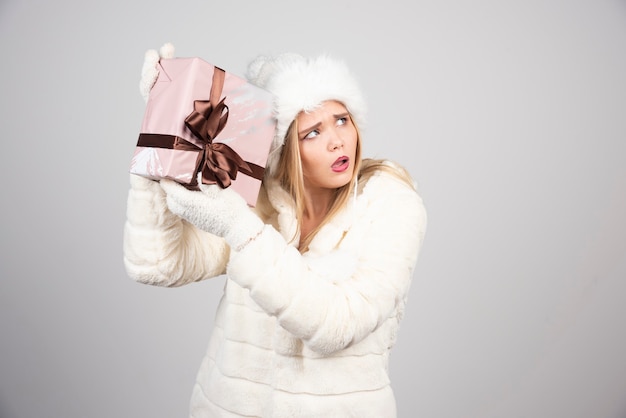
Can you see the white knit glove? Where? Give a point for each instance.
(149, 72)
(221, 212)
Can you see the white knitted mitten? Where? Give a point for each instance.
(149, 72)
(221, 212)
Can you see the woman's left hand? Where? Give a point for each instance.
(221, 212)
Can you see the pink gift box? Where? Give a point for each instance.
(201, 119)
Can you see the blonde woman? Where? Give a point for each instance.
(317, 274)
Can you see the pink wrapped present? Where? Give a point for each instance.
(200, 118)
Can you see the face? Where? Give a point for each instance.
(327, 139)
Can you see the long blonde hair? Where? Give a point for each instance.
(290, 177)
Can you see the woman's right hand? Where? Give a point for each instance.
(149, 72)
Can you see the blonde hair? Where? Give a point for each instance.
(290, 177)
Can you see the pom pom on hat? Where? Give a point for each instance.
(302, 84)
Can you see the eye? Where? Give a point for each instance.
(312, 134)
(342, 120)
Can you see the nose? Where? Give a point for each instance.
(335, 142)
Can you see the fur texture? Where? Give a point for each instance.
(221, 212)
(159, 247)
(300, 83)
(294, 334)
(149, 72)
(297, 83)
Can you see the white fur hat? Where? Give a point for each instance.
(302, 84)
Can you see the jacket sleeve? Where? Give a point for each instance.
(160, 248)
(330, 313)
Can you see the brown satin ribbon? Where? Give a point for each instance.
(218, 162)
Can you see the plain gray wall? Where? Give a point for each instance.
(510, 114)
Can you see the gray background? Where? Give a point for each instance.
(510, 114)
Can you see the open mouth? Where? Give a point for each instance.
(341, 164)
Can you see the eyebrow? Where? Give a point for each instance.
(309, 129)
(317, 125)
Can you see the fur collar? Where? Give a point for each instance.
(330, 236)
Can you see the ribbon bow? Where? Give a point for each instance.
(220, 162)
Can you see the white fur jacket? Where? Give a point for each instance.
(295, 335)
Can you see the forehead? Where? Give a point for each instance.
(329, 107)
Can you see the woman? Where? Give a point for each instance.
(317, 274)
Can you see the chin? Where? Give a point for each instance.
(342, 181)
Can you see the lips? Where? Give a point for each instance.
(341, 164)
